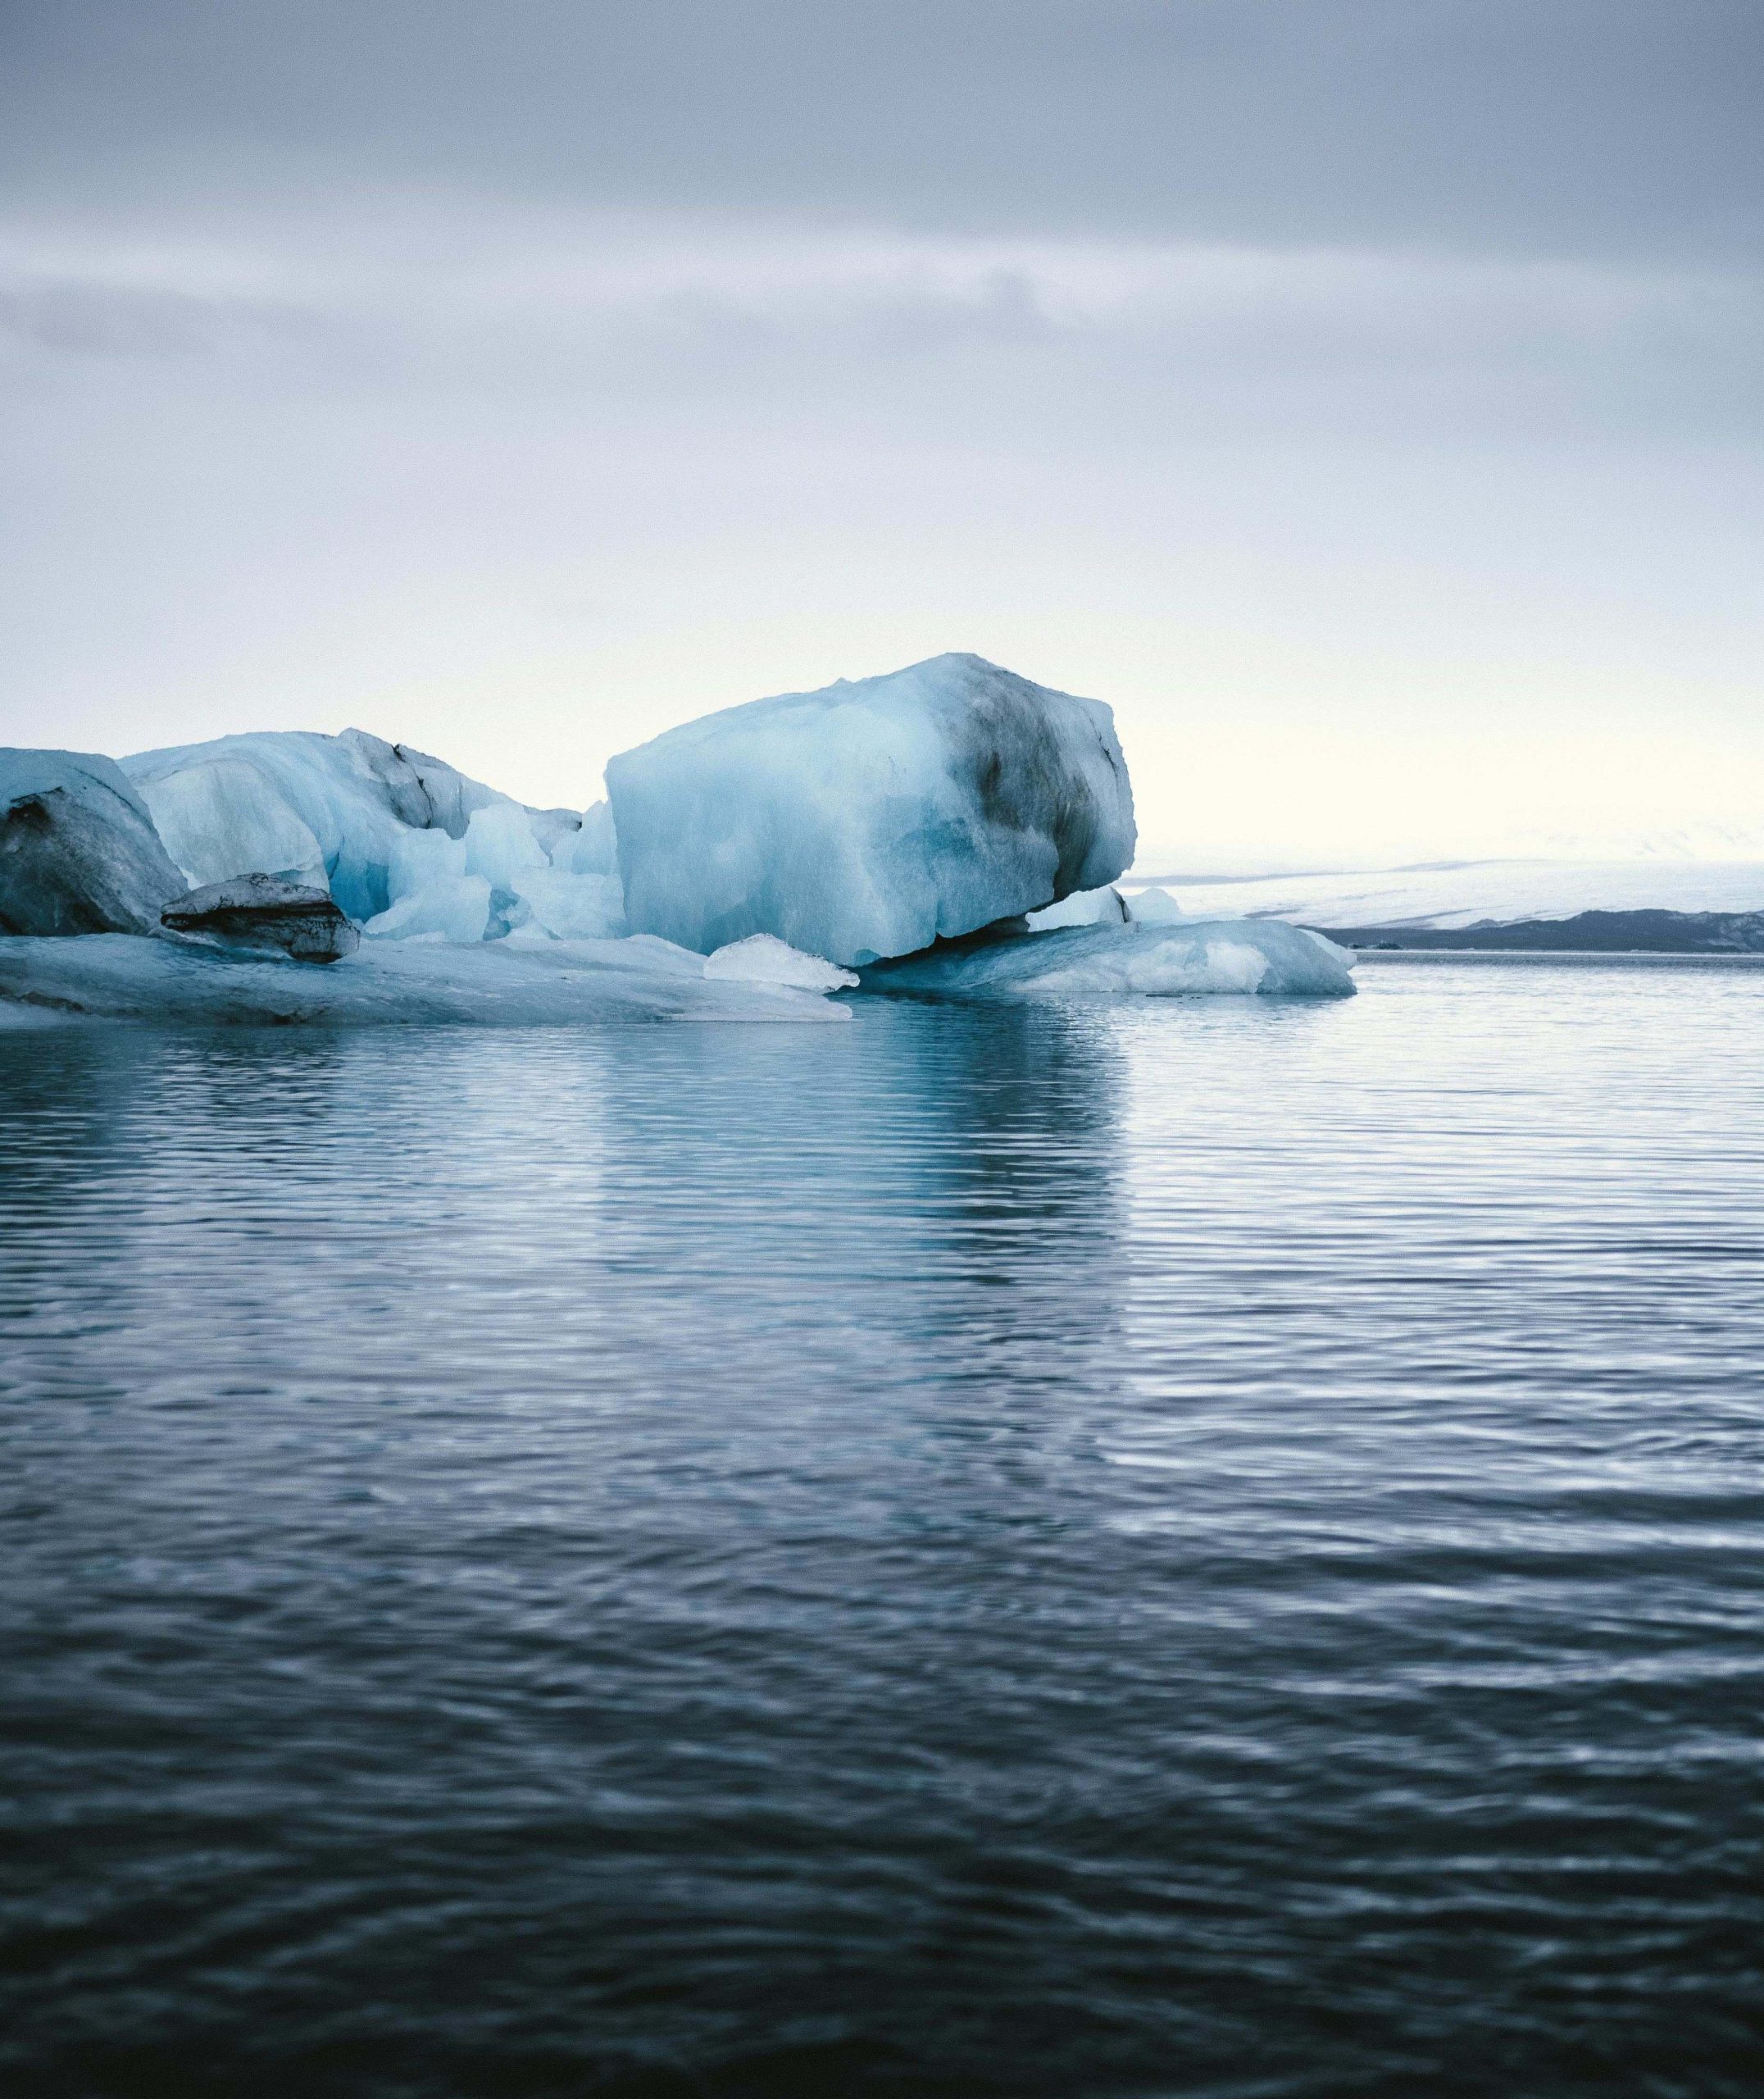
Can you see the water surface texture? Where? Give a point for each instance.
(1208, 1548)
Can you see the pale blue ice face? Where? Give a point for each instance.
(872, 818)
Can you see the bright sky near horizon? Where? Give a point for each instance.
(1362, 395)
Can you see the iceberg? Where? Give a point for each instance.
(327, 810)
(1203, 956)
(507, 983)
(78, 850)
(871, 819)
(952, 830)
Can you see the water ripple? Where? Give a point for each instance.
(1209, 1550)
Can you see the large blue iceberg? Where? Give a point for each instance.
(921, 824)
(872, 819)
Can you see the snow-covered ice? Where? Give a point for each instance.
(1498, 892)
(763, 958)
(506, 983)
(1220, 955)
(78, 850)
(870, 819)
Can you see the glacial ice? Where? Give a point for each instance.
(324, 809)
(1084, 907)
(571, 907)
(763, 958)
(404, 842)
(870, 819)
(78, 850)
(592, 848)
(453, 908)
(506, 983)
(1155, 906)
(1217, 955)
(500, 845)
(755, 853)
(497, 880)
(419, 857)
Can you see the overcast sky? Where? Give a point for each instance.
(1366, 397)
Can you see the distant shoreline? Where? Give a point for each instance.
(1587, 932)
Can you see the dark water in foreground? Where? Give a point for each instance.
(1212, 1548)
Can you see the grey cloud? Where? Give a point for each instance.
(523, 378)
(88, 318)
(1050, 345)
(1615, 127)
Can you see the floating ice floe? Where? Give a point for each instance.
(1210, 956)
(738, 865)
(870, 819)
(504, 983)
(79, 852)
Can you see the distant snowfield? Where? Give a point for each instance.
(1469, 893)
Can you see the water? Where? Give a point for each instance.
(1210, 1548)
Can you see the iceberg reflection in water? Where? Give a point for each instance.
(1204, 1546)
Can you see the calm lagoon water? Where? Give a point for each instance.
(1214, 1548)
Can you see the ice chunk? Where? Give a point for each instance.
(593, 849)
(78, 850)
(763, 958)
(222, 818)
(419, 857)
(1084, 907)
(453, 908)
(870, 819)
(265, 912)
(555, 829)
(1156, 906)
(319, 808)
(569, 906)
(1132, 961)
(500, 844)
(508, 983)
